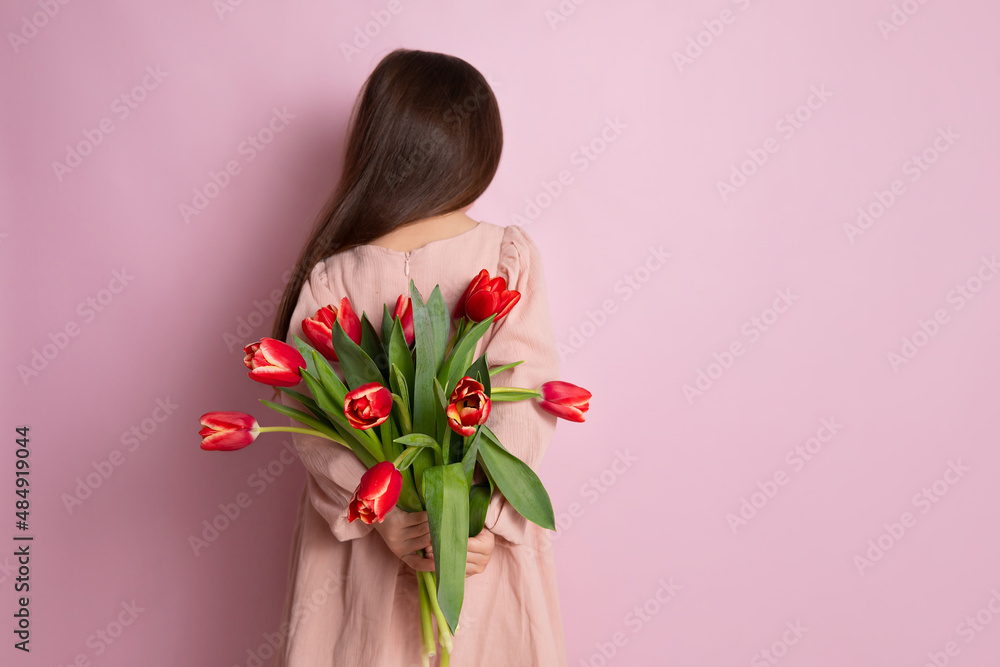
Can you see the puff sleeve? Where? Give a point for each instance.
(334, 471)
(524, 333)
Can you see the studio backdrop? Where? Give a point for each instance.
(771, 245)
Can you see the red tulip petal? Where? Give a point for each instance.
(566, 412)
(227, 419)
(465, 386)
(565, 392)
(401, 304)
(227, 441)
(320, 336)
(481, 278)
(279, 353)
(481, 305)
(326, 315)
(349, 321)
(468, 416)
(507, 300)
(381, 402)
(498, 284)
(274, 376)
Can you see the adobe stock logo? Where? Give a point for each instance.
(924, 500)
(88, 310)
(963, 293)
(713, 29)
(757, 156)
(248, 149)
(31, 25)
(585, 155)
(969, 628)
(753, 329)
(796, 458)
(629, 284)
(122, 107)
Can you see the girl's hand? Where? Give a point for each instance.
(405, 533)
(480, 551)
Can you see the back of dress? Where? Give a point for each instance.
(350, 600)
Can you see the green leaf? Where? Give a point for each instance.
(390, 450)
(386, 322)
(437, 310)
(517, 481)
(439, 395)
(334, 410)
(399, 388)
(358, 446)
(461, 355)
(330, 406)
(358, 367)
(425, 369)
(306, 350)
(469, 457)
(330, 380)
(447, 498)
(479, 505)
(372, 346)
(409, 457)
(501, 369)
(424, 408)
(478, 372)
(400, 354)
(417, 440)
(307, 401)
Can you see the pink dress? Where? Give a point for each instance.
(351, 602)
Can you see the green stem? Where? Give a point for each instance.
(426, 628)
(458, 335)
(444, 632)
(295, 429)
(439, 451)
(406, 426)
(513, 394)
(376, 448)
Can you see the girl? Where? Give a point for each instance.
(424, 143)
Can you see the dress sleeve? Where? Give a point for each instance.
(524, 333)
(334, 470)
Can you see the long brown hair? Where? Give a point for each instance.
(424, 140)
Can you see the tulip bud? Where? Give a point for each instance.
(404, 313)
(227, 431)
(484, 297)
(564, 400)
(367, 406)
(274, 362)
(319, 328)
(469, 407)
(376, 494)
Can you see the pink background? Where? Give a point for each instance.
(653, 570)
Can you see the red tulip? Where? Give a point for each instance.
(565, 400)
(484, 297)
(319, 328)
(469, 407)
(274, 362)
(368, 405)
(226, 431)
(404, 313)
(376, 494)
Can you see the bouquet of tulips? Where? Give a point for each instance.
(413, 405)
